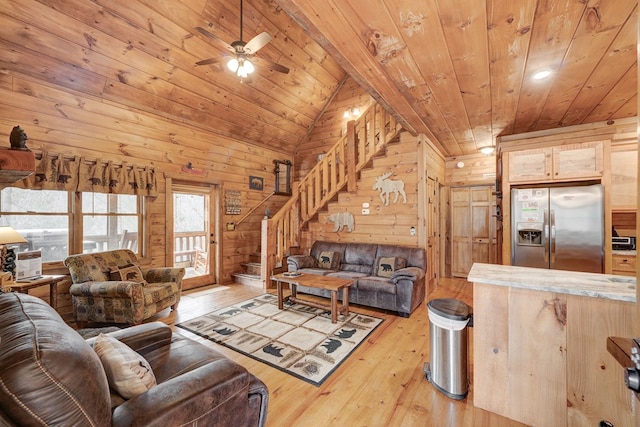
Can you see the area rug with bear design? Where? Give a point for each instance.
(299, 339)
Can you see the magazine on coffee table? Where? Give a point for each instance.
(291, 274)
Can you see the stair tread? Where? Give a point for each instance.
(246, 275)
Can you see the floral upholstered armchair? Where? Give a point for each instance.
(111, 287)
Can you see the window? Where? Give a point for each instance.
(110, 221)
(49, 218)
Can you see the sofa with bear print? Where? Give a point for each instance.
(390, 277)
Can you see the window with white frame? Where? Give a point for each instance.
(60, 223)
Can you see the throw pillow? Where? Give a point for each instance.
(387, 265)
(329, 260)
(130, 273)
(128, 373)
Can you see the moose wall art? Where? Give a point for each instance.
(386, 186)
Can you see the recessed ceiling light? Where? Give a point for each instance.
(487, 149)
(542, 74)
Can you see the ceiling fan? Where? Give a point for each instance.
(242, 61)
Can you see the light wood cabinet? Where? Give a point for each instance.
(473, 228)
(540, 357)
(559, 163)
(624, 179)
(624, 265)
(530, 165)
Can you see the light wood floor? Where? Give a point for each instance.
(381, 384)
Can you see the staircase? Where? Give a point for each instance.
(250, 274)
(365, 138)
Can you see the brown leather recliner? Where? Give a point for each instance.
(49, 375)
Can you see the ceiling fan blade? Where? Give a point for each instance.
(209, 61)
(257, 43)
(214, 37)
(270, 64)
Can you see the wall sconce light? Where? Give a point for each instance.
(487, 149)
(353, 112)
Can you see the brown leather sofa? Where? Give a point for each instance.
(49, 375)
(399, 288)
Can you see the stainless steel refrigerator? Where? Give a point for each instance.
(558, 227)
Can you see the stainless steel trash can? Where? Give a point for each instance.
(448, 366)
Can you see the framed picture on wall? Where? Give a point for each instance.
(256, 183)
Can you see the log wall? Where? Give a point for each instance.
(392, 223)
(71, 122)
(330, 126)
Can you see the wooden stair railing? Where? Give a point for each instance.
(365, 138)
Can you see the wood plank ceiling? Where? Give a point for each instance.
(459, 72)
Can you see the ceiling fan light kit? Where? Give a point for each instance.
(241, 64)
(241, 67)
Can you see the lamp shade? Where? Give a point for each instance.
(9, 235)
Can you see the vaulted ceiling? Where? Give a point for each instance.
(459, 72)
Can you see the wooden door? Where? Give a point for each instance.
(191, 234)
(460, 231)
(473, 228)
(483, 232)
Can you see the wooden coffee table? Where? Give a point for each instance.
(333, 284)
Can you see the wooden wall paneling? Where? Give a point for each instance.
(595, 386)
(477, 169)
(330, 126)
(385, 224)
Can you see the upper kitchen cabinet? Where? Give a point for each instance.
(559, 163)
(530, 165)
(624, 177)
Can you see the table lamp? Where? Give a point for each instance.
(7, 256)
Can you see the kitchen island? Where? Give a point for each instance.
(540, 345)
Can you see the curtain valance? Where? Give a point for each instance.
(73, 173)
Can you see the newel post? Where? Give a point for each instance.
(350, 154)
(267, 252)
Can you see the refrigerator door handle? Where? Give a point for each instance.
(552, 222)
(545, 236)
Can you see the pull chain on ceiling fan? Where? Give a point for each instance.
(241, 63)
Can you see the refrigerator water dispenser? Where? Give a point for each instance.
(529, 234)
